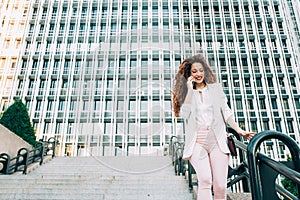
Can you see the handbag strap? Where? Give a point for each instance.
(222, 115)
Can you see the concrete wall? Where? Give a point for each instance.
(10, 143)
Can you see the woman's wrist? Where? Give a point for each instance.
(241, 132)
(234, 125)
(188, 97)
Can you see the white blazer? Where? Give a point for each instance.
(188, 112)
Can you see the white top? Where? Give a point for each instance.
(218, 100)
(204, 110)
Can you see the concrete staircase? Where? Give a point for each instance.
(101, 178)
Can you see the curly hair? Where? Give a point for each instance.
(180, 80)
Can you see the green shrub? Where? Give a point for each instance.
(17, 120)
(288, 184)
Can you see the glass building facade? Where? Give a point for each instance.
(13, 15)
(98, 75)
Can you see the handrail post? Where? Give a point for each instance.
(190, 175)
(24, 161)
(172, 148)
(178, 159)
(5, 160)
(40, 147)
(256, 190)
(52, 142)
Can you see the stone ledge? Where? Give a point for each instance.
(37, 164)
(10, 143)
(239, 196)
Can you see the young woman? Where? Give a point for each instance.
(202, 102)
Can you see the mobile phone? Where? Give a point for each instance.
(194, 85)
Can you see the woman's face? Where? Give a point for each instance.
(197, 72)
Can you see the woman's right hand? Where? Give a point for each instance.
(189, 84)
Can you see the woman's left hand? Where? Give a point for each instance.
(247, 135)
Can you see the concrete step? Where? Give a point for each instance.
(98, 178)
(101, 186)
(84, 196)
(107, 190)
(115, 165)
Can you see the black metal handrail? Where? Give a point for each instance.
(176, 151)
(264, 170)
(50, 146)
(240, 172)
(25, 157)
(191, 171)
(179, 162)
(235, 175)
(173, 139)
(256, 169)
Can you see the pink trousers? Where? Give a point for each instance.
(211, 166)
